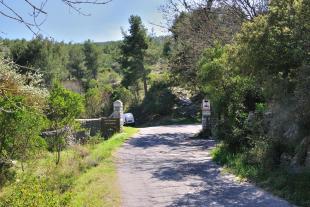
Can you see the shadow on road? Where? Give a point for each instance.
(170, 140)
(212, 189)
(181, 169)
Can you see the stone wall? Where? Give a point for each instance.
(94, 125)
(104, 126)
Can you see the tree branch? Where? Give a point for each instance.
(38, 10)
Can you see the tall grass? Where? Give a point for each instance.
(86, 176)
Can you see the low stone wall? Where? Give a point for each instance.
(94, 125)
(105, 126)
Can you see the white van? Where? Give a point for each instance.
(128, 119)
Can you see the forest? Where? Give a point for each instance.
(252, 61)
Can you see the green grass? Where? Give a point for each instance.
(98, 186)
(294, 187)
(86, 176)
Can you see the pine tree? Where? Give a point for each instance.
(133, 52)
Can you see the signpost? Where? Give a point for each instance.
(206, 116)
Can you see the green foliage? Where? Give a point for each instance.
(98, 101)
(93, 102)
(85, 176)
(261, 107)
(281, 33)
(133, 52)
(123, 94)
(58, 61)
(20, 129)
(92, 64)
(32, 191)
(232, 96)
(98, 186)
(43, 55)
(301, 93)
(159, 95)
(21, 118)
(193, 32)
(167, 50)
(241, 77)
(76, 62)
(258, 89)
(63, 107)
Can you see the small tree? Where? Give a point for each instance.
(64, 107)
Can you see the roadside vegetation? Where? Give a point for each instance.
(249, 58)
(280, 181)
(45, 86)
(255, 71)
(85, 175)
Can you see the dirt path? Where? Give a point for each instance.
(162, 167)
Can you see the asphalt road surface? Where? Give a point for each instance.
(162, 166)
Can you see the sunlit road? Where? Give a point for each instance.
(161, 166)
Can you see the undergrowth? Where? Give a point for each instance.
(292, 186)
(86, 176)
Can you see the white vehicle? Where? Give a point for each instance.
(128, 119)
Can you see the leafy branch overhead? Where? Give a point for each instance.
(37, 13)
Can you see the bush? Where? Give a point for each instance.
(21, 118)
(159, 100)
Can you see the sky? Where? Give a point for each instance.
(104, 23)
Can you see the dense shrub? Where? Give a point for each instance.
(22, 101)
(159, 100)
(259, 98)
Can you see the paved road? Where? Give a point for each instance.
(161, 166)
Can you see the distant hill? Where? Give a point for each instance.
(159, 39)
(108, 43)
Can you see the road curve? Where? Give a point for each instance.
(161, 166)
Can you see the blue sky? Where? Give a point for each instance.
(104, 24)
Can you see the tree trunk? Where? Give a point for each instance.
(58, 156)
(144, 80)
(58, 143)
(145, 85)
